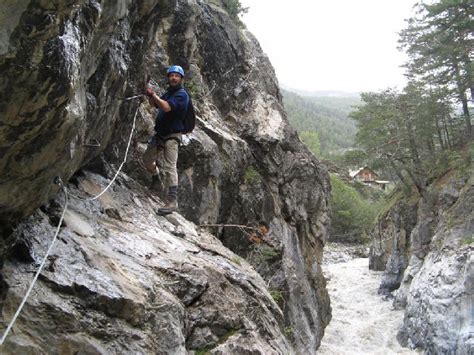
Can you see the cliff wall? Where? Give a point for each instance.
(425, 247)
(66, 69)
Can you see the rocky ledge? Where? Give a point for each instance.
(121, 279)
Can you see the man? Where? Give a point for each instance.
(169, 128)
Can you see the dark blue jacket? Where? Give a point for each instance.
(173, 121)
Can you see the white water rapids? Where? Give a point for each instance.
(362, 322)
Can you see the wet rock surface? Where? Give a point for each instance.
(393, 227)
(390, 244)
(433, 280)
(66, 69)
(144, 284)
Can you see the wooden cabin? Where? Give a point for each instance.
(364, 174)
(369, 177)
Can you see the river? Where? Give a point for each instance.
(362, 321)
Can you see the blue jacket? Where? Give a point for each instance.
(173, 121)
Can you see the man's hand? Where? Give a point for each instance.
(151, 97)
(149, 92)
(156, 101)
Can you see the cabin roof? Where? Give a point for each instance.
(354, 173)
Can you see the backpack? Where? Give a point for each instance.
(189, 117)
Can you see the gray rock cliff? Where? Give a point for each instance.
(390, 242)
(129, 282)
(430, 269)
(120, 278)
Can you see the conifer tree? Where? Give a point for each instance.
(403, 131)
(439, 41)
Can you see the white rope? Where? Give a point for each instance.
(120, 167)
(59, 226)
(39, 270)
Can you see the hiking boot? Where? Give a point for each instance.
(169, 207)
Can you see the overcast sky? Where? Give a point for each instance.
(348, 45)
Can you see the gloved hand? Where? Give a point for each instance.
(149, 92)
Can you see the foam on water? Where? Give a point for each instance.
(362, 322)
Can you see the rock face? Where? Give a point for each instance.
(436, 285)
(129, 282)
(66, 69)
(390, 247)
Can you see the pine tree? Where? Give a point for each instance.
(439, 42)
(404, 131)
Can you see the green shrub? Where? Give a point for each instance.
(468, 239)
(269, 254)
(251, 176)
(352, 215)
(234, 8)
(276, 295)
(263, 254)
(289, 331)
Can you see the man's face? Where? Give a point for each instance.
(174, 79)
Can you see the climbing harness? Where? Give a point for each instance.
(59, 182)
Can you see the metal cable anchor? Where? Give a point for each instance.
(92, 143)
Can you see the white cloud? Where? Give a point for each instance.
(332, 45)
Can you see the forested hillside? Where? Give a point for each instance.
(322, 122)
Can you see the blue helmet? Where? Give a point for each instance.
(176, 69)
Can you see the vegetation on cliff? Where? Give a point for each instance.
(352, 214)
(234, 8)
(423, 136)
(416, 132)
(411, 136)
